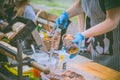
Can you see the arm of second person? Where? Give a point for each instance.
(110, 23)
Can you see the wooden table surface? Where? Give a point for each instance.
(92, 70)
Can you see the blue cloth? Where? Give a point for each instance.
(62, 20)
(29, 13)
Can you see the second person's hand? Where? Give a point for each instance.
(78, 38)
(62, 20)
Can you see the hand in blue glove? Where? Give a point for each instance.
(78, 39)
(62, 20)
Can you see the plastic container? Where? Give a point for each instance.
(41, 58)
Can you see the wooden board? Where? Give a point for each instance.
(94, 71)
(39, 41)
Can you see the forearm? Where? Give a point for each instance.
(75, 9)
(101, 28)
(81, 22)
(110, 23)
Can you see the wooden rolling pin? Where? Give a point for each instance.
(11, 52)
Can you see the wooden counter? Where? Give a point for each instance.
(92, 70)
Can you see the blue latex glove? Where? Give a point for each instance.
(62, 20)
(77, 39)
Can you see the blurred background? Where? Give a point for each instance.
(56, 7)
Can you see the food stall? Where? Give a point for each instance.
(78, 68)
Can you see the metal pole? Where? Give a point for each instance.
(19, 59)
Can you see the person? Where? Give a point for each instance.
(18, 8)
(23, 8)
(105, 29)
(10, 9)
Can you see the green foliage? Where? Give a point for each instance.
(56, 12)
(57, 6)
(52, 3)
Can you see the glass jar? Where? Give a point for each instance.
(72, 48)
